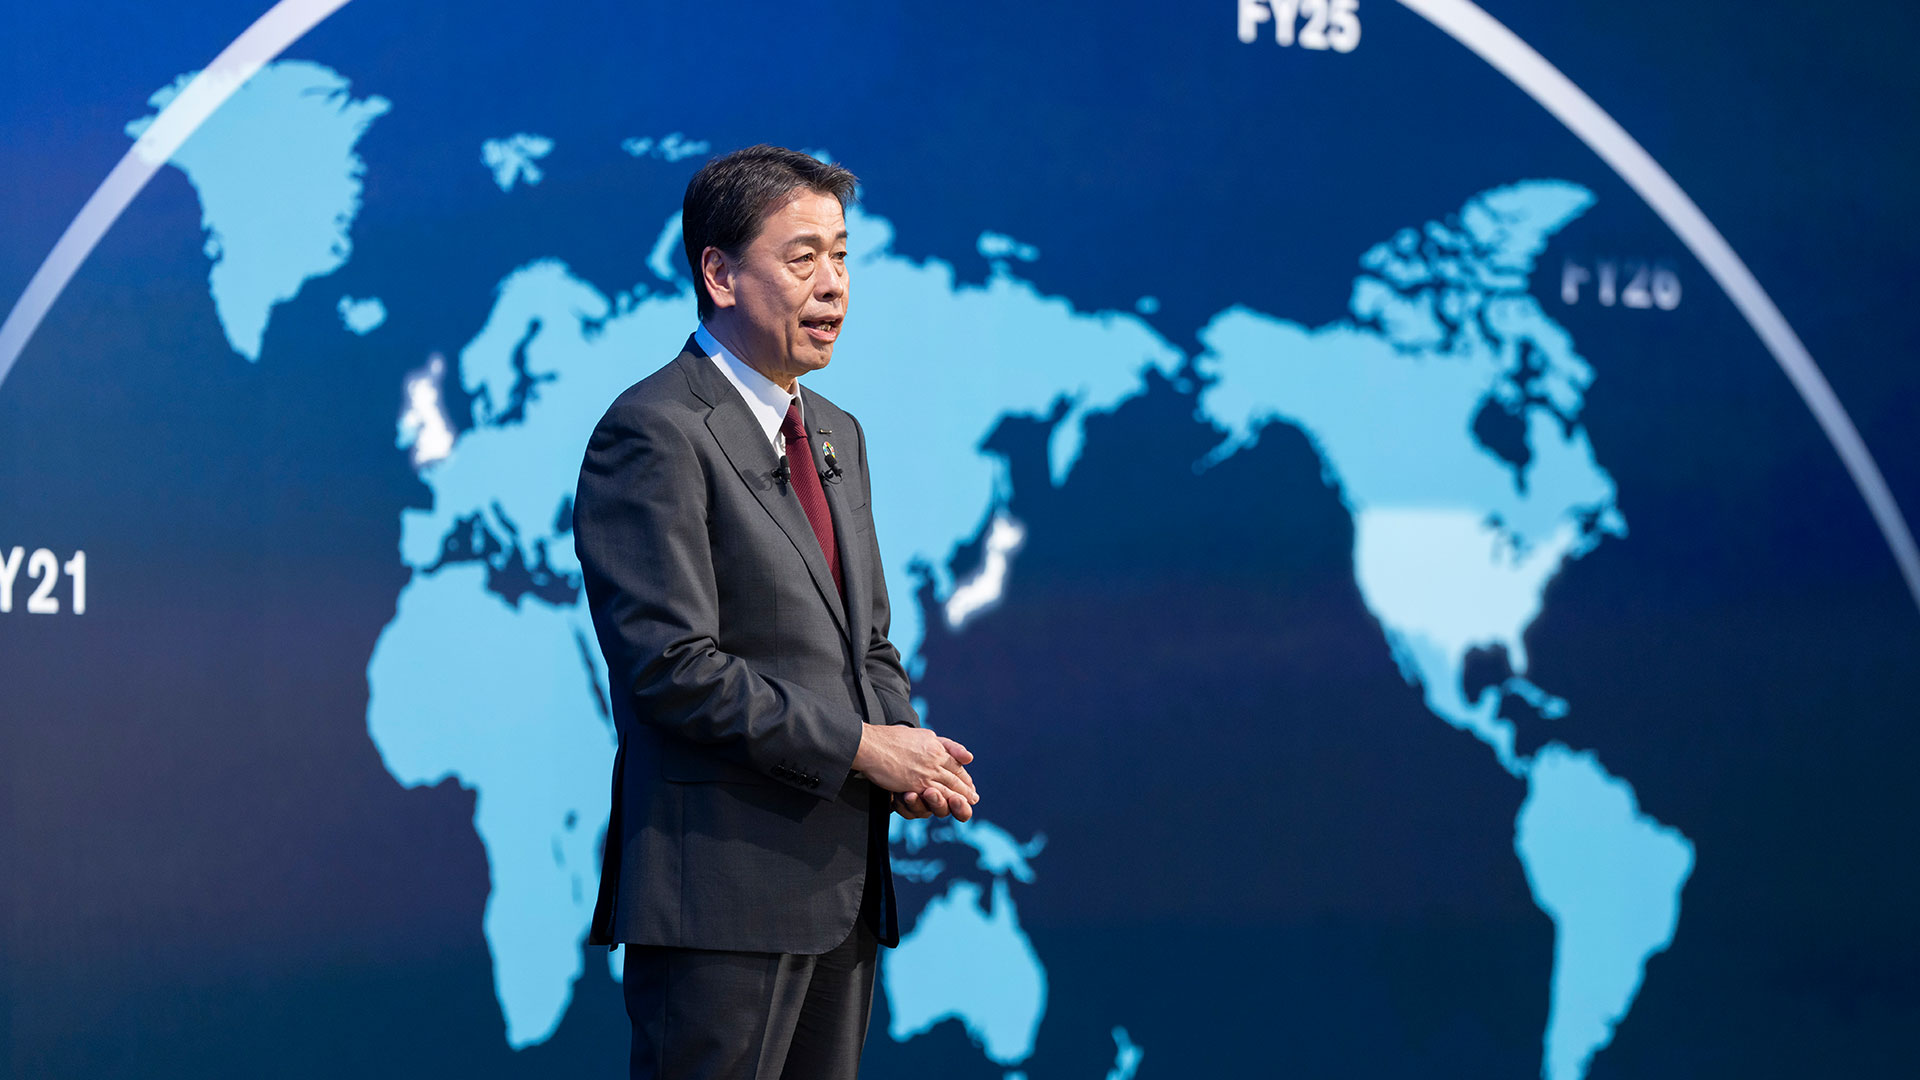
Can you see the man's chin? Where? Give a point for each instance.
(813, 355)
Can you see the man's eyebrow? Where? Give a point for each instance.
(813, 239)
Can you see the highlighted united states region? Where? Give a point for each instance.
(1447, 411)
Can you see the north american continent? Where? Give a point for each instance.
(1446, 411)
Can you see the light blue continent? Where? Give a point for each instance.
(459, 686)
(362, 317)
(1454, 545)
(972, 963)
(512, 159)
(279, 187)
(1610, 877)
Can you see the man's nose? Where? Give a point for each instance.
(831, 280)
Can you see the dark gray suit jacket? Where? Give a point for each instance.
(739, 679)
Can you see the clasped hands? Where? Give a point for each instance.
(926, 772)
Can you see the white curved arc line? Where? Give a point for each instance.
(268, 37)
(1514, 58)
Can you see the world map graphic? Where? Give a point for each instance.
(1408, 502)
(1445, 410)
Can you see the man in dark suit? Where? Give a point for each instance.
(766, 730)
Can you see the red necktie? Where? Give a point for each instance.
(813, 497)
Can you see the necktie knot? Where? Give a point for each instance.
(791, 427)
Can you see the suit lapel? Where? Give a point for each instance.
(745, 445)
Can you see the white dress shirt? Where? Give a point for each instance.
(765, 399)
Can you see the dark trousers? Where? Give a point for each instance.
(703, 1015)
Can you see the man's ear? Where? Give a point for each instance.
(718, 270)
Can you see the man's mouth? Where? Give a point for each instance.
(828, 327)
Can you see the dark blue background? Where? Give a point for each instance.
(208, 872)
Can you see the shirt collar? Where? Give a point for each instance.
(764, 398)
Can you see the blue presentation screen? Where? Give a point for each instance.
(1407, 501)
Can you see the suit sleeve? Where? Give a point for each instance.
(640, 527)
(884, 670)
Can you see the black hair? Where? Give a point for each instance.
(729, 199)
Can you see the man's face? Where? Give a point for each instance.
(785, 298)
